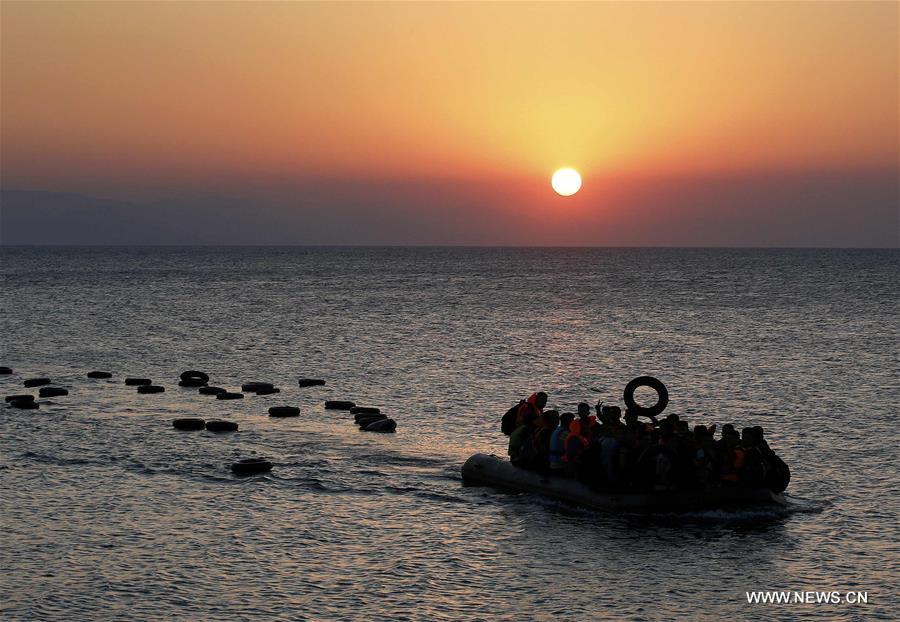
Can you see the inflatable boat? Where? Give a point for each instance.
(485, 470)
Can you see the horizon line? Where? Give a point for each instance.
(454, 246)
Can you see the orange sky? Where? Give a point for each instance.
(146, 98)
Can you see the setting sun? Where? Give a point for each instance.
(566, 181)
(348, 201)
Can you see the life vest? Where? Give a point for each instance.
(577, 434)
(575, 427)
(558, 446)
(530, 404)
(733, 463)
(575, 446)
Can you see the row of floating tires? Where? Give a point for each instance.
(26, 401)
(214, 425)
(367, 418)
(247, 466)
(146, 386)
(187, 377)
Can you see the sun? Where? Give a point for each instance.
(566, 181)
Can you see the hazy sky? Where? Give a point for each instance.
(721, 123)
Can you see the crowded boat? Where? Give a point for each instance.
(612, 450)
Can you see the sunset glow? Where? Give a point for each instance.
(332, 103)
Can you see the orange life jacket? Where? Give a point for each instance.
(570, 447)
(530, 404)
(575, 428)
(582, 436)
(737, 457)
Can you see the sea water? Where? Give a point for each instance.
(110, 513)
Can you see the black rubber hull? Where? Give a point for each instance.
(485, 470)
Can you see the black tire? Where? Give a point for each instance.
(251, 466)
(271, 391)
(385, 425)
(311, 382)
(653, 383)
(26, 397)
(194, 375)
(52, 392)
(212, 390)
(150, 388)
(36, 382)
(339, 405)
(188, 423)
(5, 370)
(221, 426)
(230, 396)
(362, 422)
(284, 411)
(364, 410)
(99, 374)
(192, 383)
(253, 387)
(24, 404)
(137, 382)
(360, 416)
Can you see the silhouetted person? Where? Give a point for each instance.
(534, 404)
(535, 455)
(584, 424)
(558, 443)
(520, 437)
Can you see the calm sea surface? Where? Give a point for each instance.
(110, 513)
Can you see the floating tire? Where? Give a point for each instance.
(646, 381)
(52, 392)
(271, 391)
(311, 382)
(363, 416)
(150, 388)
(191, 383)
(221, 426)
(284, 411)
(339, 405)
(369, 420)
(36, 382)
(99, 374)
(359, 416)
(212, 390)
(7, 370)
(385, 425)
(251, 466)
(229, 396)
(194, 376)
(253, 387)
(364, 410)
(137, 382)
(188, 423)
(13, 398)
(24, 404)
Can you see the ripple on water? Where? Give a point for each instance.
(110, 513)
